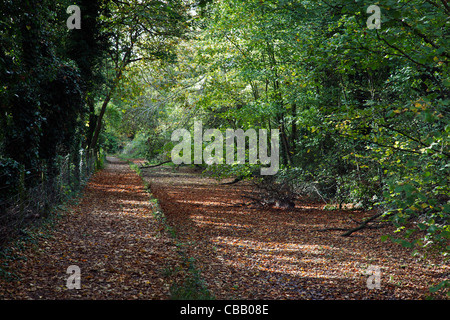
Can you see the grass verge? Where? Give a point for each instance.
(191, 286)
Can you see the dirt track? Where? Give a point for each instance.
(242, 250)
(248, 252)
(111, 235)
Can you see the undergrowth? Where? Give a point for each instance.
(28, 238)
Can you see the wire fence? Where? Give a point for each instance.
(72, 172)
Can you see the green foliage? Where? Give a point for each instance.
(243, 171)
(192, 288)
(11, 178)
(42, 97)
(363, 114)
(138, 147)
(444, 285)
(395, 107)
(42, 101)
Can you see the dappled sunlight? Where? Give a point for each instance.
(291, 259)
(202, 221)
(112, 235)
(309, 206)
(269, 246)
(290, 144)
(134, 202)
(207, 202)
(245, 250)
(114, 188)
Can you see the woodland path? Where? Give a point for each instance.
(111, 235)
(243, 251)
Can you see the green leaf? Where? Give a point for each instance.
(439, 286)
(422, 226)
(432, 229)
(446, 208)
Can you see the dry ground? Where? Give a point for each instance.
(111, 235)
(245, 251)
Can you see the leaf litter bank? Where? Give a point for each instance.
(241, 251)
(244, 251)
(114, 238)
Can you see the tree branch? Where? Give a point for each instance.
(362, 225)
(414, 139)
(401, 51)
(155, 165)
(423, 37)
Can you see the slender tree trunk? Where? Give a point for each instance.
(285, 142)
(92, 122)
(108, 97)
(294, 127)
(98, 126)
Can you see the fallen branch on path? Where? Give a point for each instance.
(363, 225)
(155, 165)
(234, 181)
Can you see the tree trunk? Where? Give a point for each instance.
(294, 128)
(286, 148)
(92, 122)
(98, 126)
(362, 225)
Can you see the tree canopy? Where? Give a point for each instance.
(364, 112)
